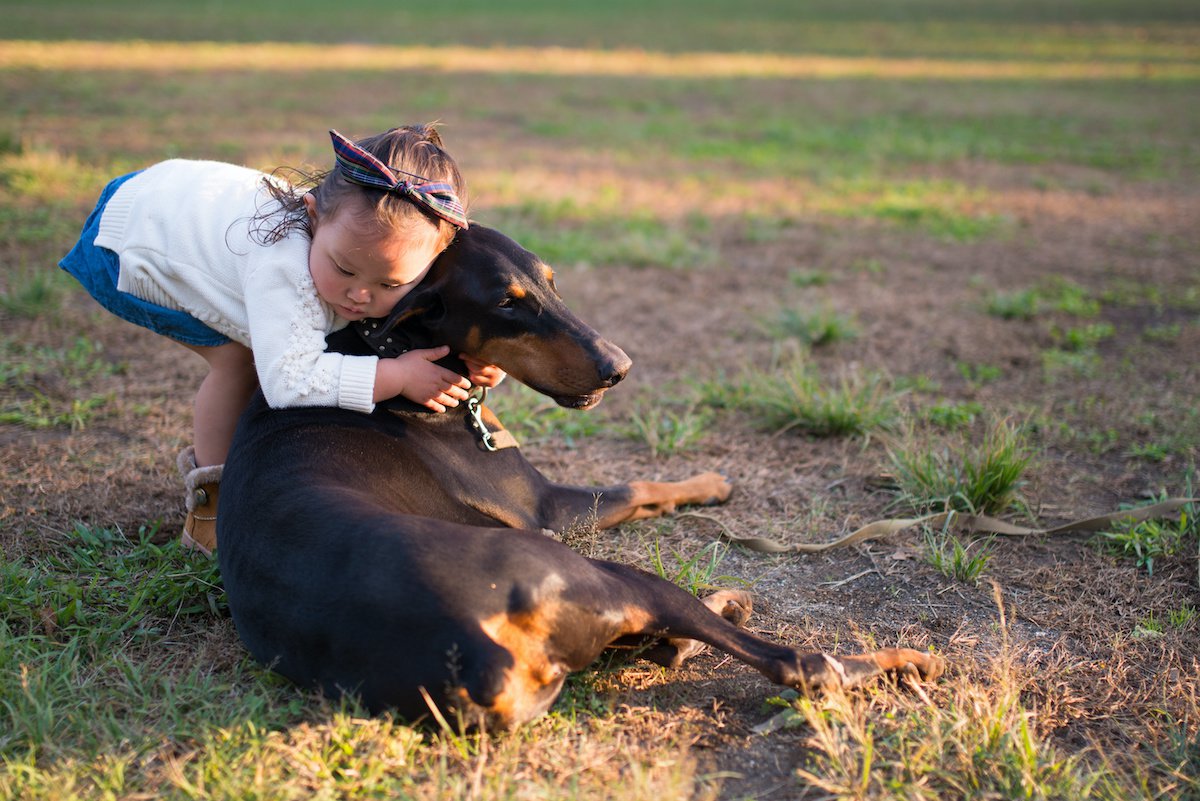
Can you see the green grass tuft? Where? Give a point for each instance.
(816, 328)
(695, 573)
(977, 375)
(102, 590)
(1054, 294)
(807, 278)
(1083, 339)
(565, 232)
(33, 293)
(952, 416)
(942, 209)
(981, 479)
(793, 397)
(955, 559)
(1020, 305)
(667, 429)
(29, 373)
(1153, 540)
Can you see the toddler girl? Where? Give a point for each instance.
(252, 273)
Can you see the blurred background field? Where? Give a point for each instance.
(858, 252)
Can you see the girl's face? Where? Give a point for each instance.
(364, 274)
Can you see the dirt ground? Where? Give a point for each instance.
(1073, 612)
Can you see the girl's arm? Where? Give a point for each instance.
(287, 326)
(415, 376)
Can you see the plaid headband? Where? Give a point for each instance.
(360, 167)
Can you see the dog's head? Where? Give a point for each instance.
(489, 298)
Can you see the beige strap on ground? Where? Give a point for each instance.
(976, 523)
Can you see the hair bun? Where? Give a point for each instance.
(430, 132)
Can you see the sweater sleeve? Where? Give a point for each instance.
(288, 324)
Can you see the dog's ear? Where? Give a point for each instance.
(423, 308)
(415, 320)
(424, 303)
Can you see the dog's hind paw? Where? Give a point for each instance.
(909, 662)
(927, 666)
(735, 606)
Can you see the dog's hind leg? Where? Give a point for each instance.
(823, 672)
(665, 610)
(735, 606)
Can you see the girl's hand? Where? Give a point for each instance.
(415, 376)
(482, 374)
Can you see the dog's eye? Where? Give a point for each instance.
(506, 303)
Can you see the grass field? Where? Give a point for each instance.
(869, 259)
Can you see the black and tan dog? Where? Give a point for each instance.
(393, 556)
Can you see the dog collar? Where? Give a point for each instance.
(388, 344)
(383, 342)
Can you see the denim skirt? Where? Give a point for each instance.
(97, 269)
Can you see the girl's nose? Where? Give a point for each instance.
(359, 294)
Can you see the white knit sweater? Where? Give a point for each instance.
(181, 229)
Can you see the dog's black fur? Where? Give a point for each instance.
(391, 556)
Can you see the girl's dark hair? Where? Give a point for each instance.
(413, 149)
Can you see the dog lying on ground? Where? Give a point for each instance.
(398, 557)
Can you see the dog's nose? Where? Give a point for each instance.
(615, 366)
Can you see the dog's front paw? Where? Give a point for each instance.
(712, 489)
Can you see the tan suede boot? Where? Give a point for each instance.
(203, 485)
